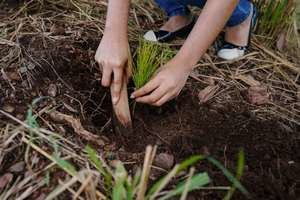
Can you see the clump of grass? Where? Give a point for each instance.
(275, 18)
(149, 57)
(119, 184)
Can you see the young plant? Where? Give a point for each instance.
(150, 56)
(123, 186)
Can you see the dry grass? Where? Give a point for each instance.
(46, 149)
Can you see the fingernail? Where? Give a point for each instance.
(132, 96)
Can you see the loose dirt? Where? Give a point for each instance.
(181, 127)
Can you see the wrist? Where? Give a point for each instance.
(180, 65)
(184, 62)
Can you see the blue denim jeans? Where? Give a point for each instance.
(179, 7)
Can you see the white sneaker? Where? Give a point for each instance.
(231, 52)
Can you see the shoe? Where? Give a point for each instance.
(229, 51)
(165, 36)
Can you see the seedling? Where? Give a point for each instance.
(150, 56)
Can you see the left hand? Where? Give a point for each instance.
(165, 85)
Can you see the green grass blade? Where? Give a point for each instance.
(239, 173)
(182, 166)
(197, 181)
(92, 156)
(190, 162)
(120, 175)
(228, 175)
(65, 165)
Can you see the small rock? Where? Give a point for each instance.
(5, 180)
(8, 108)
(52, 90)
(164, 160)
(18, 167)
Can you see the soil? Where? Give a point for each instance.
(181, 127)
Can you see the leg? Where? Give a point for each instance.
(238, 26)
(177, 12)
(237, 32)
(173, 7)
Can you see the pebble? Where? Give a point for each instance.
(8, 108)
(164, 160)
(52, 90)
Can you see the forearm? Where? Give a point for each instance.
(117, 17)
(210, 22)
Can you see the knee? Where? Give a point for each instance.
(240, 13)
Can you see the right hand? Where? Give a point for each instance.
(112, 56)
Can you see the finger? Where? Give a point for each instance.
(117, 85)
(150, 86)
(100, 66)
(153, 97)
(163, 100)
(106, 76)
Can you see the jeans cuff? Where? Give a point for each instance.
(236, 20)
(179, 12)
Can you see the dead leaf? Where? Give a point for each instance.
(52, 90)
(281, 41)
(5, 180)
(18, 167)
(8, 108)
(258, 95)
(248, 79)
(207, 93)
(164, 160)
(77, 126)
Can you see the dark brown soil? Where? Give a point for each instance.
(182, 127)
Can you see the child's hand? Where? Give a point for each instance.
(165, 85)
(112, 56)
